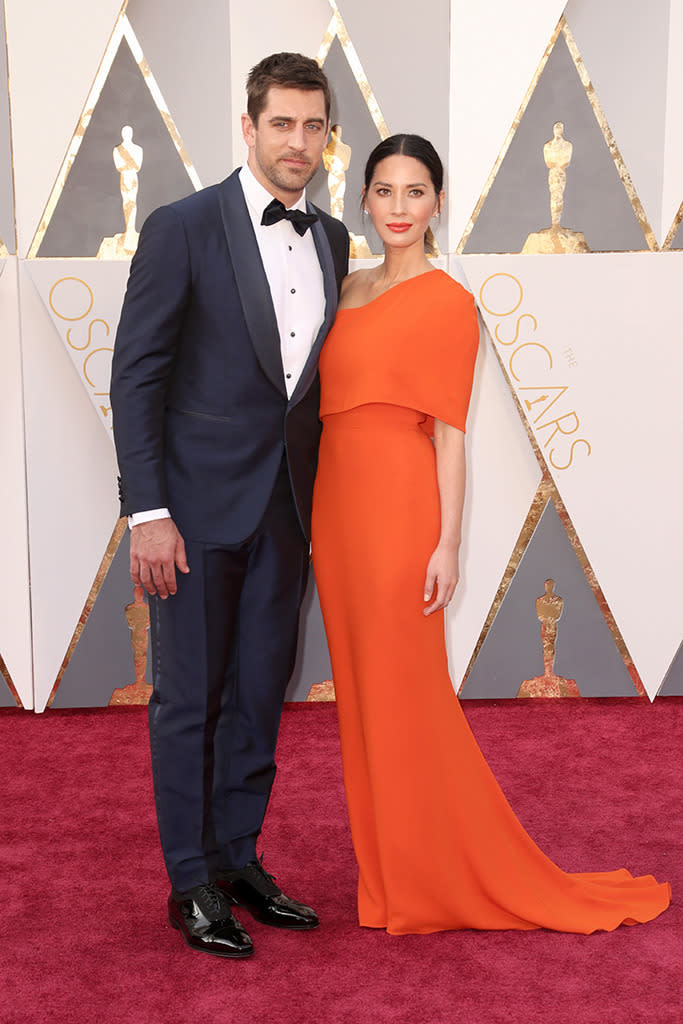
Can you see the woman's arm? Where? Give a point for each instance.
(442, 570)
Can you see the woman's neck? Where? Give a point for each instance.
(402, 264)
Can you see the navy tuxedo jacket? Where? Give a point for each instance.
(201, 413)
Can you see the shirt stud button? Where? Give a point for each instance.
(293, 291)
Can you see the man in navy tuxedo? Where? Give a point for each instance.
(215, 397)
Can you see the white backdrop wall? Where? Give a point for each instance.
(486, 81)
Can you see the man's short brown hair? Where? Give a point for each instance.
(288, 71)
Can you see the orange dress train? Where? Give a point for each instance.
(437, 844)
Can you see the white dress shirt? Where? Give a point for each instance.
(296, 286)
(291, 264)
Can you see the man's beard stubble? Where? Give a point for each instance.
(285, 178)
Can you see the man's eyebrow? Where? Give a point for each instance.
(387, 184)
(288, 117)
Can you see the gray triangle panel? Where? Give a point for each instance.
(103, 659)
(358, 131)
(312, 659)
(189, 55)
(595, 201)
(585, 648)
(672, 685)
(90, 208)
(6, 696)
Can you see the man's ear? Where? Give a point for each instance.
(248, 130)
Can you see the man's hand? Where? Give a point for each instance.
(156, 548)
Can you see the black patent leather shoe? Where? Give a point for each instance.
(254, 889)
(203, 917)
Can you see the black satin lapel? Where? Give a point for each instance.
(322, 246)
(252, 283)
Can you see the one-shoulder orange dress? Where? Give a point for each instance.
(437, 844)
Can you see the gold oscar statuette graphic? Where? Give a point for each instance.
(137, 615)
(549, 609)
(127, 158)
(321, 692)
(336, 160)
(557, 153)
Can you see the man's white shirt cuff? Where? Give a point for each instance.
(146, 517)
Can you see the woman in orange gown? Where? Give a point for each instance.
(437, 844)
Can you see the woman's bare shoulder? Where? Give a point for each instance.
(356, 278)
(355, 283)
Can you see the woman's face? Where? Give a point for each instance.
(401, 200)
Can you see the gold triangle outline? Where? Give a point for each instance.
(122, 30)
(338, 30)
(493, 174)
(100, 576)
(630, 189)
(536, 509)
(673, 231)
(4, 674)
(608, 136)
(548, 491)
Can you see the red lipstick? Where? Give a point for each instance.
(399, 227)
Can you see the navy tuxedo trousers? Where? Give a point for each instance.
(223, 650)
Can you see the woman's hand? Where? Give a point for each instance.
(442, 577)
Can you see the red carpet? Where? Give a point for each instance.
(83, 925)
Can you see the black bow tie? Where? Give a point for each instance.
(300, 221)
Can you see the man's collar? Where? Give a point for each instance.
(258, 197)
